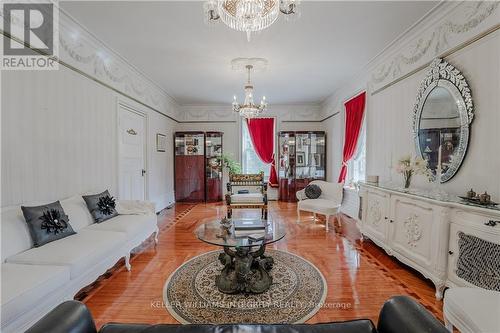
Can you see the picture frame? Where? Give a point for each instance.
(161, 142)
(301, 159)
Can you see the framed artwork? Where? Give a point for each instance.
(161, 142)
(301, 159)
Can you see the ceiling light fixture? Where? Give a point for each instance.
(249, 15)
(248, 109)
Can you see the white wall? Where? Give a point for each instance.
(334, 128)
(59, 138)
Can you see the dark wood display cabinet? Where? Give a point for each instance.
(189, 166)
(302, 158)
(213, 166)
(198, 166)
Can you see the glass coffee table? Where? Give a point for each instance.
(246, 267)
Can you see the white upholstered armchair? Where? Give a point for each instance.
(328, 203)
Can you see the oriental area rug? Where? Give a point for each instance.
(297, 292)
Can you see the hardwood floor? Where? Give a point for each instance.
(360, 275)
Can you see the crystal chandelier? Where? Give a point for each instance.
(249, 15)
(248, 109)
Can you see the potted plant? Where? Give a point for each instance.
(230, 164)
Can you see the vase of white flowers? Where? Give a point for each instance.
(408, 166)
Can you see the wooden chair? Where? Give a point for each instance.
(256, 199)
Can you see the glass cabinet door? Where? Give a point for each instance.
(287, 155)
(213, 165)
(317, 157)
(303, 156)
(189, 144)
(302, 159)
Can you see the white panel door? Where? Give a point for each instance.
(132, 154)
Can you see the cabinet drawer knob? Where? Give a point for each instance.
(450, 253)
(391, 221)
(385, 217)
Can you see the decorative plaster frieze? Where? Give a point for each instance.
(462, 23)
(224, 112)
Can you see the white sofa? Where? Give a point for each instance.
(34, 280)
(327, 204)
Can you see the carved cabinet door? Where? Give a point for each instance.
(376, 216)
(413, 230)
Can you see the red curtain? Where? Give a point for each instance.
(262, 134)
(354, 109)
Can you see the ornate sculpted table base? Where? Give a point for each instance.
(244, 271)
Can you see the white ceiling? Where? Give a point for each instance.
(308, 58)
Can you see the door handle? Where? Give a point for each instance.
(143, 172)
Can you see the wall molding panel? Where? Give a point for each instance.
(449, 27)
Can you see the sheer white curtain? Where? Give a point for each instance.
(250, 162)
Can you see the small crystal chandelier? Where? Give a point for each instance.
(248, 109)
(249, 15)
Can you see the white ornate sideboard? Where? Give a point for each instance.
(449, 242)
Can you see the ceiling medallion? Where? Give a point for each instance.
(249, 15)
(249, 109)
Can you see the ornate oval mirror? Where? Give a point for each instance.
(441, 119)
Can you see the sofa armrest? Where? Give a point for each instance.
(301, 195)
(70, 316)
(123, 328)
(403, 314)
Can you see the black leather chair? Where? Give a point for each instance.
(400, 314)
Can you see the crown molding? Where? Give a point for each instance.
(83, 52)
(445, 29)
(116, 54)
(449, 27)
(224, 112)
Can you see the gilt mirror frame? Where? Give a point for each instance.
(443, 74)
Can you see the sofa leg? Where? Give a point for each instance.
(127, 262)
(314, 218)
(298, 215)
(327, 218)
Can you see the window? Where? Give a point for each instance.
(250, 162)
(356, 168)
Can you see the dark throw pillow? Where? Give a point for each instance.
(101, 206)
(312, 191)
(47, 223)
